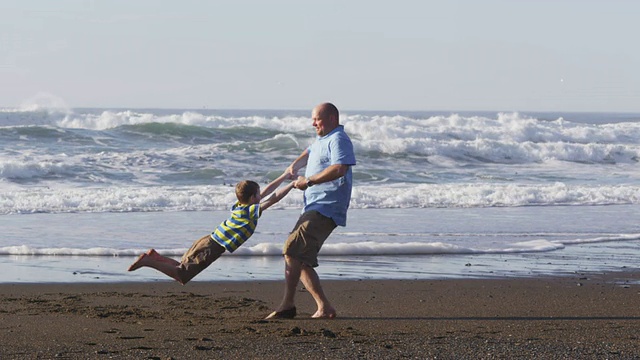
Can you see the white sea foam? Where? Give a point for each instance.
(362, 248)
(507, 138)
(621, 237)
(204, 198)
(14, 169)
(113, 119)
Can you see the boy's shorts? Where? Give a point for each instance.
(307, 237)
(201, 254)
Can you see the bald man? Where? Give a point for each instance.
(327, 192)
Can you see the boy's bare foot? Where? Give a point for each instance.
(152, 253)
(140, 262)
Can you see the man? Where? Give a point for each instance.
(327, 192)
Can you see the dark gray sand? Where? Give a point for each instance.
(587, 316)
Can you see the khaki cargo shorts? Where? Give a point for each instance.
(307, 237)
(202, 253)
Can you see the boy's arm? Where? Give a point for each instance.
(274, 184)
(298, 163)
(279, 194)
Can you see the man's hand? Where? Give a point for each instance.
(300, 183)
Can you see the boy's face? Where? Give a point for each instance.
(255, 199)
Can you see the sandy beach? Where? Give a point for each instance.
(586, 316)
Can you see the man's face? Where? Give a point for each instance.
(322, 124)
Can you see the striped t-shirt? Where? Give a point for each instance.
(234, 231)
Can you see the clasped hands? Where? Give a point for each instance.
(299, 182)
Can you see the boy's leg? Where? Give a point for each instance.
(201, 254)
(156, 261)
(154, 254)
(151, 257)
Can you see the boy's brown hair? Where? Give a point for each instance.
(245, 189)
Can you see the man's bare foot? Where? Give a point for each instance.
(140, 262)
(330, 314)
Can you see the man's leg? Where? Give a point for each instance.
(311, 282)
(295, 271)
(292, 271)
(300, 249)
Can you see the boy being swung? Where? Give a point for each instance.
(228, 236)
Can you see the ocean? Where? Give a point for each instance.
(436, 194)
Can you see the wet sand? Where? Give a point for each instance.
(586, 316)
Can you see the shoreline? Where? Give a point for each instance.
(589, 316)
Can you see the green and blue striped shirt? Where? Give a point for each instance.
(234, 231)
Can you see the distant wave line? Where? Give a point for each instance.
(364, 248)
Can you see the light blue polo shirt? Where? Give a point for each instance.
(330, 199)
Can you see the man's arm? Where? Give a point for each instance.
(329, 174)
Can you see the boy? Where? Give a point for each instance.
(229, 235)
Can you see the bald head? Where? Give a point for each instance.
(325, 118)
(328, 110)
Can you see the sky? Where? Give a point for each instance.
(457, 55)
